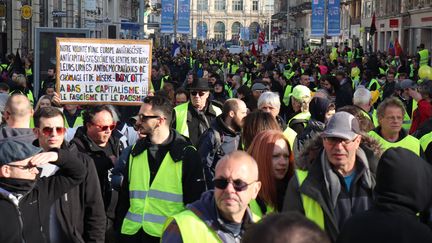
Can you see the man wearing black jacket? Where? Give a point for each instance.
(163, 174)
(78, 216)
(24, 201)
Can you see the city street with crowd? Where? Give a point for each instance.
(310, 145)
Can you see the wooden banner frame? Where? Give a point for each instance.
(106, 87)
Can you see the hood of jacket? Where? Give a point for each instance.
(403, 182)
(18, 134)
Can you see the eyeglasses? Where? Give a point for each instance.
(143, 117)
(48, 131)
(201, 93)
(333, 141)
(238, 185)
(23, 167)
(105, 128)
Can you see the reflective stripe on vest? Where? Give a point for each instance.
(256, 209)
(409, 142)
(426, 140)
(181, 117)
(424, 57)
(150, 205)
(313, 210)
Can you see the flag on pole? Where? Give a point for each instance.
(261, 38)
(398, 48)
(175, 50)
(254, 51)
(391, 49)
(373, 28)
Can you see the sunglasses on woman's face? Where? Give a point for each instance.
(48, 131)
(238, 184)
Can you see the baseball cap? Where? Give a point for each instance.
(342, 125)
(259, 86)
(407, 84)
(11, 151)
(300, 92)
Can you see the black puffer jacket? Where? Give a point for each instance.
(27, 219)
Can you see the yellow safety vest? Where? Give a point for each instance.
(407, 118)
(300, 116)
(256, 210)
(425, 140)
(373, 118)
(349, 56)
(291, 135)
(79, 121)
(150, 205)
(194, 230)
(181, 117)
(409, 142)
(424, 57)
(312, 209)
(374, 81)
(287, 96)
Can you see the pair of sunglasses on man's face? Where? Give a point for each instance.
(106, 127)
(238, 184)
(48, 131)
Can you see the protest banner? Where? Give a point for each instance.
(103, 71)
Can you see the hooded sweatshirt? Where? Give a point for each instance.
(403, 183)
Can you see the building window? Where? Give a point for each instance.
(237, 5)
(253, 31)
(255, 6)
(202, 30)
(202, 5)
(235, 30)
(219, 31)
(219, 5)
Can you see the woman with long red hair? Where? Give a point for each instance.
(275, 160)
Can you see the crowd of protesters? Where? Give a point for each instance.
(307, 145)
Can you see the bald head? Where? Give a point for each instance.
(236, 184)
(18, 111)
(241, 160)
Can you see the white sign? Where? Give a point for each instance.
(103, 70)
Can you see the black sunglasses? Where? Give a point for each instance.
(238, 185)
(143, 117)
(194, 93)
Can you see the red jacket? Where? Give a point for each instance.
(421, 114)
